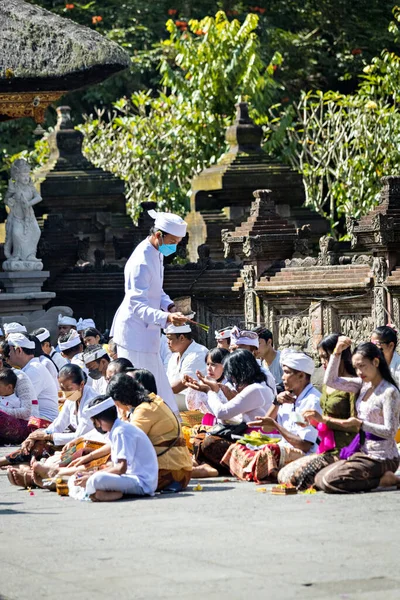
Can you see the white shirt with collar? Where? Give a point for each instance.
(131, 444)
(192, 360)
(76, 420)
(143, 311)
(307, 400)
(45, 389)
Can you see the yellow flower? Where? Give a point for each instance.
(371, 105)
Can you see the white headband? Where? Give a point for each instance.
(43, 336)
(72, 341)
(92, 411)
(64, 320)
(178, 329)
(168, 222)
(95, 355)
(85, 324)
(223, 334)
(239, 337)
(14, 328)
(297, 360)
(18, 340)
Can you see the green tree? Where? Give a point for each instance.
(157, 144)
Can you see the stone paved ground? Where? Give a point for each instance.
(226, 541)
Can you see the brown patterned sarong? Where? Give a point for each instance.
(359, 473)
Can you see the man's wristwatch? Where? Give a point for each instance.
(276, 402)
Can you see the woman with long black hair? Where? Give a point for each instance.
(372, 459)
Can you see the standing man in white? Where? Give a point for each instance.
(146, 308)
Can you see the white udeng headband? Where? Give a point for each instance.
(95, 355)
(65, 320)
(92, 411)
(43, 336)
(14, 328)
(18, 340)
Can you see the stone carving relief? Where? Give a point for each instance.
(383, 227)
(357, 327)
(252, 246)
(22, 229)
(327, 255)
(309, 261)
(294, 332)
(250, 311)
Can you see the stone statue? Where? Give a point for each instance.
(22, 229)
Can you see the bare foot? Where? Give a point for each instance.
(3, 462)
(203, 471)
(102, 496)
(40, 469)
(389, 479)
(20, 477)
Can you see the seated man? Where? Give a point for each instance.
(96, 361)
(43, 335)
(22, 351)
(14, 328)
(270, 358)
(187, 358)
(135, 467)
(65, 324)
(223, 337)
(285, 417)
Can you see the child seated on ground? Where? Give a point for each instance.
(135, 467)
(8, 381)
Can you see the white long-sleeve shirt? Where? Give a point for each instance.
(143, 311)
(68, 417)
(253, 401)
(45, 389)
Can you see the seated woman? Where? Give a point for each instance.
(372, 458)
(385, 337)
(150, 413)
(196, 397)
(134, 469)
(43, 442)
(91, 336)
(285, 418)
(253, 397)
(334, 404)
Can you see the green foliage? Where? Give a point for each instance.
(157, 144)
(343, 144)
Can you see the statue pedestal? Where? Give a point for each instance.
(22, 292)
(18, 282)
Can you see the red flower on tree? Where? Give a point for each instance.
(172, 12)
(97, 19)
(356, 51)
(69, 6)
